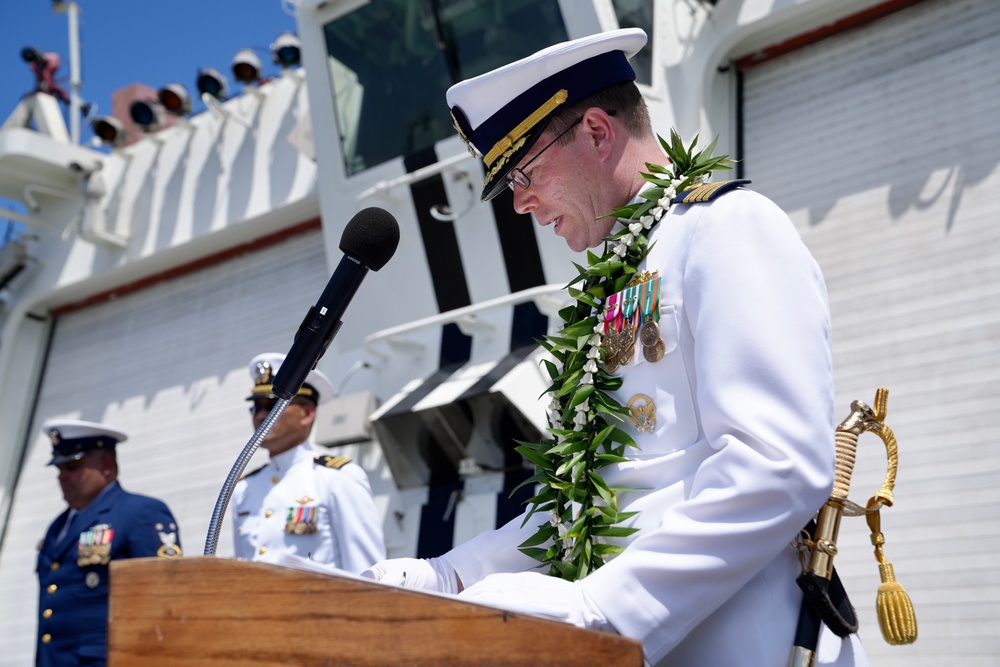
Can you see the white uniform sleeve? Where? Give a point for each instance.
(495, 551)
(241, 546)
(355, 521)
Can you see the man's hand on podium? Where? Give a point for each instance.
(539, 595)
(431, 574)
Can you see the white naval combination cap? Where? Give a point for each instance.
(501, 114)
(73, 438)
(316, 387)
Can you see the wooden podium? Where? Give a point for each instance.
(208, 611)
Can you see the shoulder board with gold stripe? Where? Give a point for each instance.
(707, 191)
(328, 461)
(253, 472)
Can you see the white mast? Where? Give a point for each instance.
(72, 11)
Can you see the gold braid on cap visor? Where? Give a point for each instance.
(268, 389)
(514, 140)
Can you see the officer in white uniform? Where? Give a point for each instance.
(302, 502)
(732, 411)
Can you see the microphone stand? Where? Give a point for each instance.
(214, 527)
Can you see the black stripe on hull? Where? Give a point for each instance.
(444, 261)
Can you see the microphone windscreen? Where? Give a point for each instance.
(372, 236)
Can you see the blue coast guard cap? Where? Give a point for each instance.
(316, 388)
(501, 114)
(73, 438)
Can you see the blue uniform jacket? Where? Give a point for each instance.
(73, 571)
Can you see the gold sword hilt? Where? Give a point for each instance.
(862, 419)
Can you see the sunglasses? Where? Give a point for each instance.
(265, 405)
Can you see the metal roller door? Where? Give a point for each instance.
(883, 145)
(168, 365)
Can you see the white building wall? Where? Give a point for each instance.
(882, 145)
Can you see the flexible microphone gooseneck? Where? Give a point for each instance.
(368, 242)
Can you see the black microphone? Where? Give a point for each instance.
(368, 242)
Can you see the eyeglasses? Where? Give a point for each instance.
(517, 174)
(265, 405)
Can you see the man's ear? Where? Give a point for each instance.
(310, 413)
(600, 131)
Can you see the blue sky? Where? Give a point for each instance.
(136, 41)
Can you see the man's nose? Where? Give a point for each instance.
(524, 200)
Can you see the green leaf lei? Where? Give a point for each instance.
(583, 417)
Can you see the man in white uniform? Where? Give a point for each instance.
(302, 502)
(732, 411)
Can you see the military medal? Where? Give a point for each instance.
(611, 363)
(301, 521)
(628, 344)
(630, 302)
(653, 353)
(94, 546)
(653, 347)
(649, 333)
(609, 341)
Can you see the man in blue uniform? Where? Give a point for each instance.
(102, 523)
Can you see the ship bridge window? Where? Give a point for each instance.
(391, 62)
(638, 14)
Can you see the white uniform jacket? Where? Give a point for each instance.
(294, 489)
(742, 454)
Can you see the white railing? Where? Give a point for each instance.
(549, 299)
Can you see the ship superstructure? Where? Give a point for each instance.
(150, 274)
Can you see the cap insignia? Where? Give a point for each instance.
(504, 146)
(262, 373)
